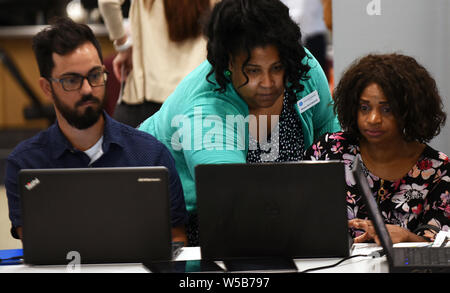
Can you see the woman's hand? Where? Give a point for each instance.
(397, 233)
(124, 59)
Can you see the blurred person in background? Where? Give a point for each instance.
(309, 15)
(163, 45)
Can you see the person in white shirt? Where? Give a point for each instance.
(164, 45)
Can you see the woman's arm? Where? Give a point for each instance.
(112, 16)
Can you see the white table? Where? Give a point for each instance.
(354, 265)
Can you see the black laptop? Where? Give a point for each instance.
(106, 215)
(272, 210)
(400, 259)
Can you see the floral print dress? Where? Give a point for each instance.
(420, 199)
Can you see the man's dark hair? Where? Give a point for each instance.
(409, 88)
(237, 26)
(61, 37)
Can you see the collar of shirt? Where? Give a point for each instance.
(111, 135)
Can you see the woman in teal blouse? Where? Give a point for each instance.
(259, 97)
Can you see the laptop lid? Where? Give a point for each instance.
(107, 215)
(265, 210)
(374, 212)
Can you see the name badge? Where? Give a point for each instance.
(308, 101)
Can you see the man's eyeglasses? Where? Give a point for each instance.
(73, 82)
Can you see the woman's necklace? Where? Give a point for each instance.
(381, 192)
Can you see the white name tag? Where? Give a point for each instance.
(308, 101)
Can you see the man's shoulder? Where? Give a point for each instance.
(38, 142)
(141, 146)
(135, 137)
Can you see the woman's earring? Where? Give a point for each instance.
(227, 73)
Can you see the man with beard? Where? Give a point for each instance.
(73, 77)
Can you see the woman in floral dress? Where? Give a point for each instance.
(389, 108)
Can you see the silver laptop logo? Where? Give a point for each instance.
(149, 179)
(32, 184)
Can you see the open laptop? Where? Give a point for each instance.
(106, 215)
(400, 259)
(272, 210)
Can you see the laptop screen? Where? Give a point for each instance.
(372, 206)
(107, 215)
(272, 210)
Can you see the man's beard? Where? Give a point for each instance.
(81, 120)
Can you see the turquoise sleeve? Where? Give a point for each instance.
(217, 134)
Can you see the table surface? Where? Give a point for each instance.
(354, 265)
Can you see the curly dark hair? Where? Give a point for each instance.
(411, 91)
(236, 26)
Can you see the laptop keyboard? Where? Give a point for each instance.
(426, 256)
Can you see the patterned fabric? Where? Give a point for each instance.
(420, 198)
(287, 146)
